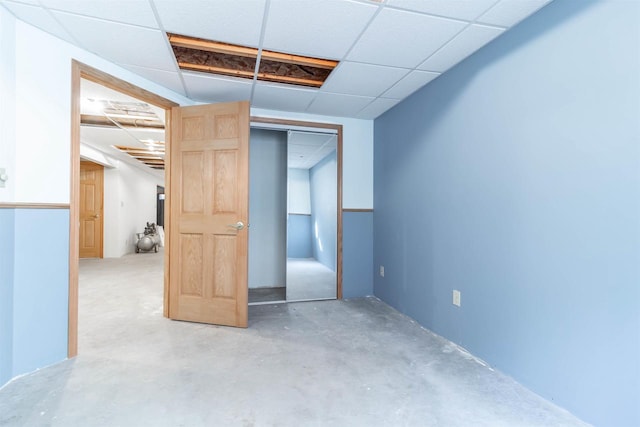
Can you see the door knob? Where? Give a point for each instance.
(96, 216)
(238, 225)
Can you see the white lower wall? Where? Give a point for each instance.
(129, 203)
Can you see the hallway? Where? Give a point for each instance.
(343, 363)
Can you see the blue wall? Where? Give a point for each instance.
(267, 208)
(515, 178)
(324, 207)
(35, 274)
(357, 254)
(7, 221)
(299, 236)
(41, 288)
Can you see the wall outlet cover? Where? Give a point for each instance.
(456, 298)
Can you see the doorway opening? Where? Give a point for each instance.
(121, 181)
(80, 72)
(125, 177)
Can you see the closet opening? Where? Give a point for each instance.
(294, 212)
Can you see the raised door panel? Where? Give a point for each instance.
(209, 163)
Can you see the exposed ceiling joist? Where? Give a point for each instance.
(214, 57)
(104, 121)
(150, 157)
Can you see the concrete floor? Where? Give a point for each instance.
(308, 279)
(327, 363)
(262, 295)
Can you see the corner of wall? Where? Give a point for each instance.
(8, 104)
(7, 239)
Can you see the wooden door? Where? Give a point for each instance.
(209, 190)
(91, 209)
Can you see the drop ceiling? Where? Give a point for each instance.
(116, 135)
(387, 49)
(307, 149)
(117, 132)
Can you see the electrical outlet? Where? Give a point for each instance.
(3, 177)
(456, 298)
(382, 271)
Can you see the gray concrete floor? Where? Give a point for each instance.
(308, 279)
(262, 295)
(328, 363)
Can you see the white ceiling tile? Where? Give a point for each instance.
(467, 10)
(304, 140)
(31, 2)
(104, 138)
(331, 104)
(168, 79)
(509, 12)
(430, 35)
(376, 108)
(306, 149)
(40, 18)
(89, 89)
(299, 145)
(205, 88)
(281, 97)
(325, 151)
(135, 12)
(120, 43)
(297, 149)
(229, 21)
(403, 39)
(92, 90)
(303, 147)
(412, 82)
(325, 29)
(463, 45)
(362, 79)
